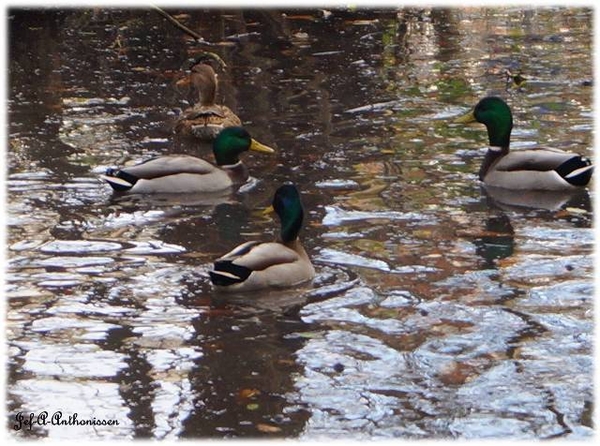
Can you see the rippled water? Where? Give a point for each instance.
(439, 310)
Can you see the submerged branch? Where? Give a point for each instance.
(190, 32)
(179, 25)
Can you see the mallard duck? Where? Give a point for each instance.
(205, 119)
(187, 174)
(533, 169)
(517, 80)
(256, 265)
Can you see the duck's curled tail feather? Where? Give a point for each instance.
(119, 180)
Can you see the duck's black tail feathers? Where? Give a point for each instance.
(576, 171)
(226, 273)
(120, 181)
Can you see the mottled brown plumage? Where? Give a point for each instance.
(206, 118)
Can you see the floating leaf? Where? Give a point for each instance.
(310, 334)
(457, 373)
(267, 428)
(576, 210)
(360, 22)
(249, 393)
(300, 17)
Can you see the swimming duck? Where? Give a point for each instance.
(533, 169)
(187, 174)
(516, 80)
(255, 265)
(205, 119)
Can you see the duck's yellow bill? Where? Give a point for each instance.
(259, 147)
(268, 210)
(466, 118)
(185, 82)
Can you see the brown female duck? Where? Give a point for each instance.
(206, 118)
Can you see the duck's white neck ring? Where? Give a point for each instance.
(231, 166)
(496, 149)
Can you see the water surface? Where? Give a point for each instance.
(439, 310)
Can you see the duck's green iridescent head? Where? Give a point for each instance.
(288, 207)
(495, 114)
(233, 141)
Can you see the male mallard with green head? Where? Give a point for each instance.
(187, 174)
(256, 265)
(533, 169)
(205, 119)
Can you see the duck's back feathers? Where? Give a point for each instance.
(534, 159)
(539, 169)
(260, 256)
(204, 111)
(206, 121)
(255, 265)
(170, 165)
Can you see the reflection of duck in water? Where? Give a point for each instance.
(537, 199)
(497, 240)
(256, 265)
(205, 119)
(188, 174)
(529, 169)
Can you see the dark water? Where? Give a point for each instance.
(438, 311)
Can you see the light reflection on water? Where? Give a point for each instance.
(440, 309)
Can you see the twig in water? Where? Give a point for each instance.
(188, 31)
(175, 22)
